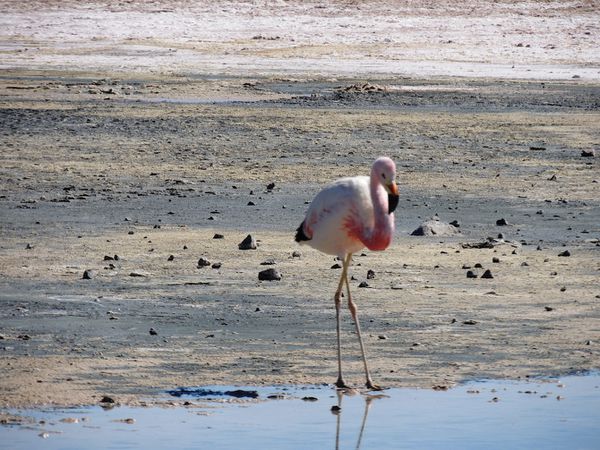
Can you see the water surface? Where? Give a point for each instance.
(557, 414)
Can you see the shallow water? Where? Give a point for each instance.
(553, 413)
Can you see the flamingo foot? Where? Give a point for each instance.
(340, 384)
(373, 387)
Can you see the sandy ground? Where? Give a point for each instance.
(112, 146)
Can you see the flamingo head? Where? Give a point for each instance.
(384, 171)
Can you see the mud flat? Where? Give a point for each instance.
(103, 161)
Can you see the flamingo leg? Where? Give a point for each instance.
(354, 312)
(338, 306)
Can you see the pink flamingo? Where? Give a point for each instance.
(346, 216)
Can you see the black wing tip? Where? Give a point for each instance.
(300, 236)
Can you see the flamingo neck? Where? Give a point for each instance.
(381, 234)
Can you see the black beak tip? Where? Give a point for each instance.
(392, 202)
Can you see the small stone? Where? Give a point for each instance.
(455, 223)
(203, 262)
(107, 399)
(563, 289)
(548, 308)
(471, 274)
(108, 258)
(171, 258)
(335, 409)
(296, 254)
(370, 274)
(270, 186)
(478, 266)
(269, 275)
(310, 399)
(363, 284)
(152, 332)
(495, 260)
(130, 232)
(216, 265)
(116, 257)
(383, 337)
(524, 264)
(248, 243)
(565, 253)
(138, 274)
(466, 266)
(88, 274)
(588, 342)
(218, 236)
(501, 222)
(588, 153)
(29, 247)
(268, 262)
(487, 274)
(470, 322)
(336, 266)
(251, 203)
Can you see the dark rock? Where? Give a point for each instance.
(336, 266)
(363, 284)
(88, 274)
(296, 254)
(470, 322)
(218, 236)
(524, 264)
(270, 186)
(455, 223)
(269, 275)
(495, 260)
(335, 409)
(152, 332)
(478, 266)
(130, 232)
(203, 262)
(565, 253)
(471, 274)
(466, 266)
(383, 337)
(107, 399)
(435, 227)
(29, 247)
(171, 258)
(108, 258)
(310, 399)
(548, 308)
(588, 153)
(370, 274)
(251, 203)
(248, 243)
(501, 222)
(216, 265)
(487, 274)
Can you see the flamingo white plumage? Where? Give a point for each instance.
(345, 217)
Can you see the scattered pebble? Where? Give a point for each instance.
(153, 332)
(336, 266)
(88, 274)
(171, 258)
(248, 243)
(470, 322)
(471, 274)
(138, 274)
(107, 399)
(501, 222)
(310, 399)
(296, 254)
(495, 259)
(216, 265)
(218, 236)
(269, 275)
(251, 203)
(565, 253)
(370, 274)
(382, 337)
(548, 308)
(335, 409)
(435, 227)
(588, 153)
(363, 284)
(487, 274)
(270, 186)
(203, 262)
(268, 262)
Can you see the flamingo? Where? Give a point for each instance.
(346, 216)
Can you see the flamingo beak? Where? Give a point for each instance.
(393, 197)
